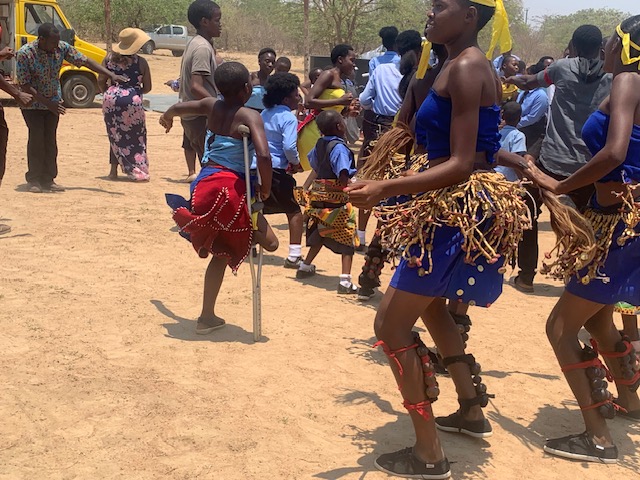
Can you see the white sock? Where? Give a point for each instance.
(345, 280)
(295, 251)
(305, 268)
(361, 234)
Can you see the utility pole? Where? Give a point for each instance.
(526, 16)
(107, 23)
(305, 34)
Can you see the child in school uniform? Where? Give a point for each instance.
(331, 218)
(511, 139)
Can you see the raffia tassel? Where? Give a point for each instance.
(584, 240)
(385, 150)
(465, 206)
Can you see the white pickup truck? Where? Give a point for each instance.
(170, 37)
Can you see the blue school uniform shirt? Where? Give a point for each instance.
(535, 105)
(386, 57)
(339, 157)
(281, 128)
(381, 93)
(512, 140)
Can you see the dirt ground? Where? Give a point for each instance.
(103, 376)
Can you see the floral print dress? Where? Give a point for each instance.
(125, 118)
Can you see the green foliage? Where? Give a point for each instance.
(87, 16)
(556, 30)
(249, 25)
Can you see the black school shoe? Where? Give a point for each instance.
(455, 423)
(366, 293)
(404, 463)
(581, 447)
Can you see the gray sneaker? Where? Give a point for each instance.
(581, 447)
(292, 264)
(350, 290)
(54, 187)
(305, 273)
(34, 187)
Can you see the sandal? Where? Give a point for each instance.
(210, 327)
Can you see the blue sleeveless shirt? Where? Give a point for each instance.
(225, 151)
(594, 134)
(433, 127)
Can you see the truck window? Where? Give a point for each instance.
(36, 15)
(178, 31)
(166, 30)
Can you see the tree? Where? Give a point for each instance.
(107, 23)
(556, 30)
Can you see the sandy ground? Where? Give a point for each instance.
(103, 377)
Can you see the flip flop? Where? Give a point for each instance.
(210, 328)
(4, 229)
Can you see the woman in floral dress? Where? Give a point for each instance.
(122, 106)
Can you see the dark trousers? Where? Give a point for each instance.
(196, 130)
(4, 138)
(528, 246)
(42, 147)
(373, 126)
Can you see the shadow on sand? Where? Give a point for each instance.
(396, 434)
(185, 329)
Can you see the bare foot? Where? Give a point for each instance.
(207, 325)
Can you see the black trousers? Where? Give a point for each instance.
(4, 138)
(42, 146)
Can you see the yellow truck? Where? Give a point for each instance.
(20, 20)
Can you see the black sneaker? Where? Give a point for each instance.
(361, 248)
(366, 293)
(350, 290)
(292, 264)
(456, 423)
(404, 463)
(306, 273)
(581, 447)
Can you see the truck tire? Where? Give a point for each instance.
(177, 53)
(148, 48)
(78, 91)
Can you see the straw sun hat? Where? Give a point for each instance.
(131, 41)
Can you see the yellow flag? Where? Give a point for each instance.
(501, 36)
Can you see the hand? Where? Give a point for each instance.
(541, 179)
(264, 193)
(57, 108)
(291, 168)
(166, 122)
(118, 78)
(24, 98)
(346, 99)
(6, 53)
(365, 193)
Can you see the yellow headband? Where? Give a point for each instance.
(626, 48)
(486, 3)
(423, 65)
